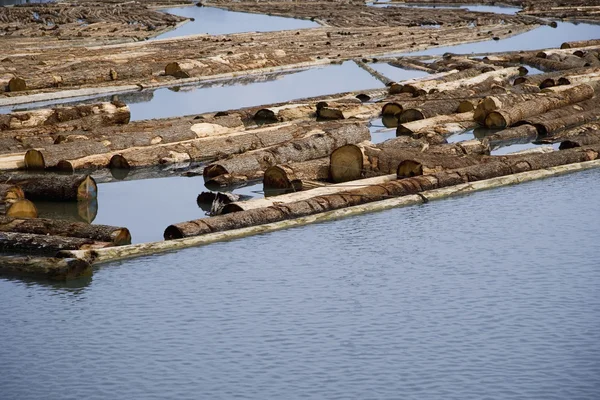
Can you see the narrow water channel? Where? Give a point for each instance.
(491, 295)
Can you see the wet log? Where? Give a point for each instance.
(442, 124)
(403, 63)
(493, 103)
(317, 145)
(510, 136)
(546, 64)
(295, 176)
(327, 111)
(14, 204)
(51, 187)
(185, 68)
(580, 43)
(591, 137)
(45, 244)
(550, 79)
(508, 116)
(339, 188)
(374, 73)
(565, 117)
(91, 115)
(102, 233)
(55, 269)
(284, 113)
(402, 187)
(429, 110)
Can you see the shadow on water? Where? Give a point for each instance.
(217, 21)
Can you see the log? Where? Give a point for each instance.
(17, 84)
(316, 145)
(507, 117)
(284, 113)
(564, 117)
(295, 176)
(102, 233)
(55, 269)
(185, 68)
(344, 110)
(339, 188)
(442, 124)
(549, 65)
(89, 115)
(429, 110)
(45, 244)
(580, 43)
(507, 137)
(590, 137)
(493, 103)
(52, 187)
(402, 187)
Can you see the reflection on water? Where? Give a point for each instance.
(490, 295)
(76, 211)
(216, 21)
(380, 132)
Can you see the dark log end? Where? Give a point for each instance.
(409, 168)
(541, 129)
(121, 237)
(172, 232)
(401, 130)
(87, 189)
(520, 80)
(17, 84)
(407, 89)
(546, 83)
(276, 177)
(411, 114)
(214, 170)
(389, 121)
(118, 162)
(346, 163)
(568, 144)
(265, 116)
(541, 54)
(523, 71)
(391, 109)
(465, 106)
(563, 81)
(396, 88)
(65, 166)
(363, 97)
(579, 53)
(172, 68)
(321, 104)
(22, 209)
(495, 120)
(565, 46)
(34, 159)
(327, 113)
(231, 208)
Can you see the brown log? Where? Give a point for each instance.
(429, 110)
(55, 269)
(317, 145)
(17, 84)
(91, 115)
(402, 187)
(295, 176)
(343, 110)
(284, 113)
(14, 204)
(497, 102)
(45, 244)
(565, 117)
(40, 226)
(51, 187)
(580, 43)
(520, 134)
(507, 117)
(546, 64)
(442, 124)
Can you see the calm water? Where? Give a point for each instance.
(15, 2)
(495, 295)
(216, 21)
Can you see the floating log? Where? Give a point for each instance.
(40, 226)
(284, 113)
(14, 204)
(316, 145)
(493, 103)
(52, 187)
(507, 117)
(402, 187)
(507, 137)
(185, 68)
(429, 110)
(344, 110)
(442, 124)
(580, 43)
(55, 269)
(295, 176)
(45, 244)
(17, 84)
(91, 115)
(590, 137)
(376, 74)
(546, 64)
(405, 63)
(564, 117)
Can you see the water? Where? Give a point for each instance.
(539, 38)
(233, 94)
(379, 132)
(216, 21)
(494, 295)
(4, 3)
(470, 7)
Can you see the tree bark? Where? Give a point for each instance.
(55, 269)
(397, 188)
(508, 116)
(51, 187)
(549, 65)
(580, 43)
(442, 124)
(75, 211)
(493, 103)
(294, 176)
(520, 134)
(45, 244)
(40, 226)
(429, 110)
(565, 117)
(284, 113)
(315, 145)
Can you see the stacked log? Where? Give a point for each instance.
(318, 144)
(493, 103)
(562, 64)
(296, 176)
(580, 43)
(429, 110)
(444, 125)
(564, 117)
(44, 244)
(327, 111)
(51, 187)
(55, 269)
(118, 236)
(284, 113)
(14, 204)
(401, 187)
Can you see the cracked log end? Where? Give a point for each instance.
(34, 159)
(21, 209)
(391, 109)
(409, 168)
(495, 120)
(346, 163)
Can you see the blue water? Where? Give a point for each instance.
(494, 295)
(216, 21)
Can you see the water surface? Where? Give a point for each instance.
(494, 295)
(471, 7)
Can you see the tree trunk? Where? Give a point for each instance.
(508, 116)
(344, 110)
(411, 64)
(92, 115)
(377, 75)
(580, 43)
(51, 187)
(55, 269)
(548, 65)
(284, 113)
(564, 117)
(493, 103)
(429, 110)
(397, 188)
(507, 137)
(315, 145)
(101, 233)
(294, 176)
(442, 124)
(45, 244)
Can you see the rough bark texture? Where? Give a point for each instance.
(429, 110)
(44, 244)
(40, 226)
(498, 102)
(402, 187)
(55, 269)
(442, 124)
(564, 117)
(295, 176)
(53, 187)
(506, 137)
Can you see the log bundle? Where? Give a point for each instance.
(49, 268)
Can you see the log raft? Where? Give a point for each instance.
(30, 243)
(52, 187)
(50, 268)
(14, 204)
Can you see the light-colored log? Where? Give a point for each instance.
(442, 124)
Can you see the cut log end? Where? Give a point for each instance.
(22, 209)
(466, 106)
(228, 209)
(118, 162)
(568, 144)
(327, 113)
(277, 177)
(520, 80)
(174, 69)
(391, 109)
(409, 168)
(389, 121)
(88, 189)
(265, 116)
(17, 84)
(34, 159)
(172, 232)
(401, 130)
(214, 170)
(546, 83)
(346, 163)
(121, 237)
(495, 120)
(411, 114)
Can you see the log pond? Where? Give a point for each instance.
(491, 295)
